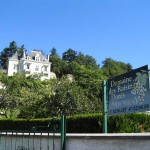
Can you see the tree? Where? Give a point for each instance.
(53, 52)
(26, 97)
(69, 55)
(9, 95)
(113, 68)
(89, 80)
(20, 50)
(58, 65)
(68, 99)
(8, 52)
(34, 101)
(86, 60)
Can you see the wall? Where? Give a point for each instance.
(140, 141)
(11, 69)
(108, 141)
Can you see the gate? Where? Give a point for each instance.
(35, 139)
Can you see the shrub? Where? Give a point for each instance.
(86, 123)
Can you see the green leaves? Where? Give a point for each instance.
(30, 98)
(69, 55)
(8, 52)
(113, 68)
(26, 97)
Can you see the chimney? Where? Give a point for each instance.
(48, 58)
(24, 53)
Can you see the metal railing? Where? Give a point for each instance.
(35, 139)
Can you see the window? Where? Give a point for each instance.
(45, 68)
(15, 67)
(37, 58)
(28, 66)
(36, 68)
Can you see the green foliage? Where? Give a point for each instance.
(30, 98)
(58, 65)
(131, 123)
(27, 97)
(87, 61)
(28, 124)
(113, 68)
(68, 99)
(69, 55)
(90, 123)
(91, 82)
(53, 52)
(8, 52)
(85, 123)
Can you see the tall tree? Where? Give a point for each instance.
(20, 50)
(9, 95)
(68, 99)
(53, 52)
(69, 55)
(86, 60)
(8, 52)
(112, 68)
(58, 65)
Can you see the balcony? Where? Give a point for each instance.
(45, 71)
(27, 70)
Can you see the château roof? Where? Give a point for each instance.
(32, 56)
(15, 56)
(36, 53)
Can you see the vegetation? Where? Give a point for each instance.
(27, 97)
(87, 123)
(8, 52)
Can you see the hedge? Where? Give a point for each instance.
(87, 123)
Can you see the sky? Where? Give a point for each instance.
(117, 29)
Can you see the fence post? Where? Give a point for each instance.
(104, 107)
(63, 132)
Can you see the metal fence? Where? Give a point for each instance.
(35, 139)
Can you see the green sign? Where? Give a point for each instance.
(129, 92)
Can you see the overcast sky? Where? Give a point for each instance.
(119, 29)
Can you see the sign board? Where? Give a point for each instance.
(129, 92)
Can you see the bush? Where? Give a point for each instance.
(87, 123)
(91, 123)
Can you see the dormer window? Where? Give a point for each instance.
(28, 58)
(37, 57)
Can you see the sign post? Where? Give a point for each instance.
(126, 93)
(129, 92)
(104, 107)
